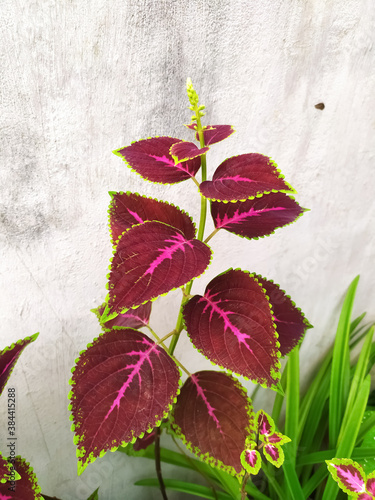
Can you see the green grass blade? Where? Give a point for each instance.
(279, 399)
(228, 483)
(255, 493)
(292, 402)
(314, 416)
(355, 323)
(350, 434)
(272, 481)
(94, 495)
(185, 487)
(315, 388)
(321, 456)
(293, 485)
(358, 378)
(171, 457)
(368, 423)
(315, 480)
(340, 372)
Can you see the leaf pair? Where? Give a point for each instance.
(352, 479)
(169, 160)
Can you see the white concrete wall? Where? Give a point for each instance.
(81, 78)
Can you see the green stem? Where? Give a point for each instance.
(202, 223)
(160, 341)
(211, 235)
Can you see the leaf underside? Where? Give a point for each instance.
(232, 326)
(243, 177)
(150, 260)
(123, 385)
(214, 417)
(215, 133)
(151, 159)
(132, 318)
(256, 217)
(129, 209)
(25, 488)
(184, 151)
(9, 357)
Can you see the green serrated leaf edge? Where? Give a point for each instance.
(7, 465)
(23, 343)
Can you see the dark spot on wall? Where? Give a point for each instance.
(320, 106)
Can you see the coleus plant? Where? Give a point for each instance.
(127, 383)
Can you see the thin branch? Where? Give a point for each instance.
(244, 483)
(168, 335)
(211, 235)
(160, 342)
(158, 465)
(195, 180)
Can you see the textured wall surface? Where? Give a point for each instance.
(81, 78)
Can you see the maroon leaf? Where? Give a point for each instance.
(256, 217)
(348, 474)
(245, 176)
(274, 454)
(123, 385)
(290, 321)
(129, 209)
(25, 488)
(150, 260)
(214, 417)
(9, 357)
(184, 151)
(144, 442)
(266, 425)
(152, 160)
(250, 459)
(216, 133)
(365, 496)
(133, 318)
(232, 326)
(5, 469)
(370, 483)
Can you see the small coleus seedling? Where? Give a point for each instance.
(268, 440)
(127, 382)
(352, 479)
